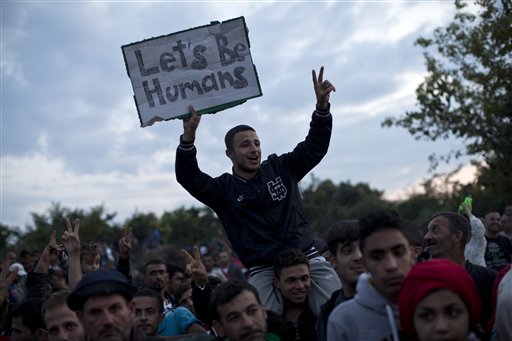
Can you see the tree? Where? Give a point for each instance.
(467, 93)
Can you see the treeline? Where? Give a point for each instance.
(324, 203)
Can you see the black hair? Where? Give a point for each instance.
(172, 268)
(228, 139)
(154, 261)
(147, 292)
(226, 292)
(458, 222)
(342, 232)
(379, 220)
(287, 258)
(31, 314)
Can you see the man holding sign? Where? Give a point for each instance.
(259, 204)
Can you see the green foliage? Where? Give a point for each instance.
(325, 203)
(467, 93)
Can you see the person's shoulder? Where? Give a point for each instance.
(344, 309)
(478, 271)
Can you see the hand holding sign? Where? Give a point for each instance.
(190, 125)
(322, 90)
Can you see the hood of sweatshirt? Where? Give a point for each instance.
(367, 296)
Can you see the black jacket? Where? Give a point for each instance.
(263, 215)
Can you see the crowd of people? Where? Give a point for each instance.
(377, 277)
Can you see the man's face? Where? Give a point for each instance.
(242, 319)
(245, 153)
(506, 223)
(175, 281)
(439, 240)
(186, 301)
(441, 315)
(208, 263)
(147, 314)
(388, 257)
(156, 277)
(107, 317)
(20, 332)
(62, 324)
(90, 263)
(492, 222)
(294, 283)
(348, 262)
(223, 259)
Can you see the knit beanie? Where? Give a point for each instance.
(431, 275)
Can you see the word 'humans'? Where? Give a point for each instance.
(208, 83)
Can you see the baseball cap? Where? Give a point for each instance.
(101, 282)
(21, 269)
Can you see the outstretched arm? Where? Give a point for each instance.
(323, 88)
(71, 242)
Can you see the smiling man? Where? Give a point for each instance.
(259, 204)
(446, 237)
(387, 254)
(292, 279)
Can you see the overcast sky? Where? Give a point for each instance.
(70, 131)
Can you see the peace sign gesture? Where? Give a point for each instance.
(195, 266)
(322, 90)
(70, 237)
(125, 243)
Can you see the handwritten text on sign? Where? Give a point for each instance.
(209, 67)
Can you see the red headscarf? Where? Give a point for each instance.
(435, 274)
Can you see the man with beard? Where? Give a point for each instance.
(102, 302)
(156, 277)
(499, 248)
(447, 236)
(293, 281)
(149, 310)
(238, 314)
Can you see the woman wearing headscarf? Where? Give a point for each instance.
(439, 301)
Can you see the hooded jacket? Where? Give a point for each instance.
(365, 317)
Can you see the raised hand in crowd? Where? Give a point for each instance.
(125, 244)
(71, 242)
(49, 255)
(323, 88)
(195, 267)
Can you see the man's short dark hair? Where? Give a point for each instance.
(379, 220)
(227, 292)
(154, 261)
(458, 222)
(342, 232)
(228, 139)
(172, 268)
(287, 258)
(146, 292)
(55, 300)
(31, 314)
(414, 233)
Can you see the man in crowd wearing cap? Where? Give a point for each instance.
(388, 257)
(61, 322)
(447, 236)
(102, 301)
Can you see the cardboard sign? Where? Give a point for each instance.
(209, 67)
